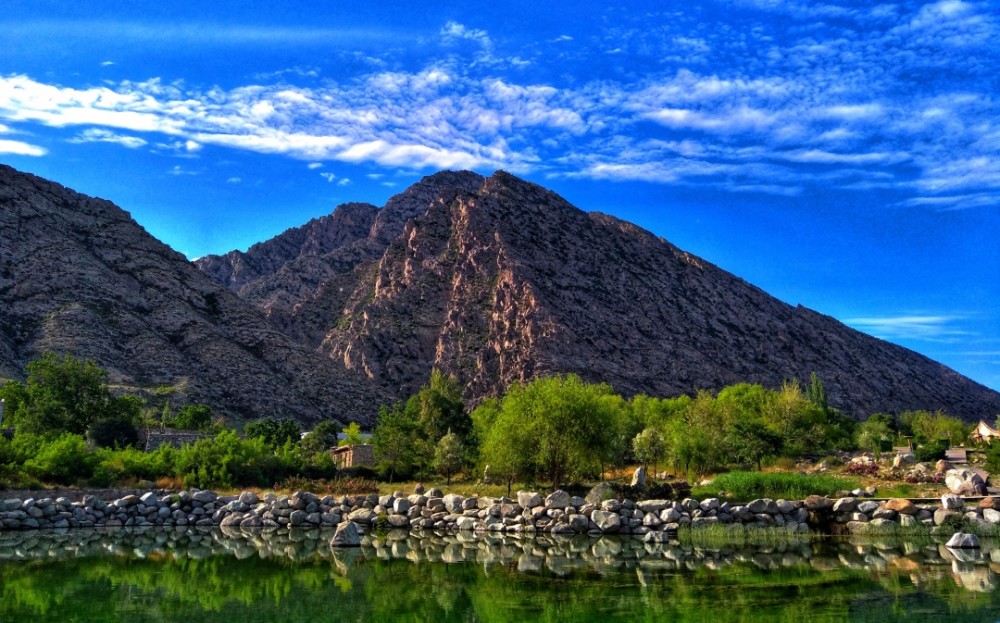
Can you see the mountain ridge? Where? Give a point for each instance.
(498, 280)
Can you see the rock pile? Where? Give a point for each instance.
(557, 513)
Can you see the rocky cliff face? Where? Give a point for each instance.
(78, 275)
(497, 280)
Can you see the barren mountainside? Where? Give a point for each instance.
(497, 280)
(79, 276)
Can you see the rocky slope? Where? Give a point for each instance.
(78, 275)
(498, 280)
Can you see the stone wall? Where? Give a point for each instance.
(557, 513)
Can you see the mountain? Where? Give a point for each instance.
(497, 280)
(79, 276)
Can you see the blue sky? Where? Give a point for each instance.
(843, 156)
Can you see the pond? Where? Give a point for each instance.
(231, 576)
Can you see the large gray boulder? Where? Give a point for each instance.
(346, 535)
(964, 482)
(961, 540)
(557, 499)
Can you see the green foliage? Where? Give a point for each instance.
(874, 435)
(392, 437)
(751, 443)
(192, 417)
(322, 437)
(449, 456)
(352, 435)
(931, 451)
(746, 486)
(63, 460)
(113, 432)
(649, 446)
(559, 426)
(64, 394)
(272, 432)
(931, 427)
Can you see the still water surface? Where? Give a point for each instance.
(230, 576)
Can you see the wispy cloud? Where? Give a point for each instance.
(931, 328)
(786, 105)
(98, 135)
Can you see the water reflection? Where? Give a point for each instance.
(920, 561)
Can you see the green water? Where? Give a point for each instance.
(211, 575)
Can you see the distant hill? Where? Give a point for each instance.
(497, 280)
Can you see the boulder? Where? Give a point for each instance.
(943, 466)
(557, 499)
(845, 505)
(903, 459)
(990, 502)
(964, 482)
(961, 540)
(639, 477)
(601, 492)
(818, 503)
(346, 535)
(606, 521)
(901, 506)
(950, 501)
(529, 499)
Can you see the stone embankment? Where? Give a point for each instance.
(557, 513)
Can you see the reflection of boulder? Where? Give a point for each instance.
(977, 578)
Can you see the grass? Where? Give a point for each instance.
(745, 486)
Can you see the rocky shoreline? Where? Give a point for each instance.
(529, 513)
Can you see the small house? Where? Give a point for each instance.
(362, 455)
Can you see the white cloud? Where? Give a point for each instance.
(98, 135)
(19, 148)
(315, 165)
(344, 181)
(234, 180)
(925, 327)
(329, 177)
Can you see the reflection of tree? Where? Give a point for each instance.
(575, 579)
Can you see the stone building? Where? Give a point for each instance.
(362, 455)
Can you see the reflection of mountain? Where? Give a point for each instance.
(497, 280)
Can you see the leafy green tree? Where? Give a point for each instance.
(61, 393)
(449, 455)
(352, 435)
(649, 446)
(274, 432)
(560, 423)
(322, 437)
(873, 434)
(751, 442)
(930, 427)
(503, 445)
(393, 441)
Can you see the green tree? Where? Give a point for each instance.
(649, 447)
(322, 437)
(61, 393)
(873, 434)
(393, 441)
(449, 456)
(352, 435)
(751, 442)
(561, 424)
(274, 432)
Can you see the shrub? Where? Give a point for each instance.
(862, 469)
(931, 451)
(64, 460)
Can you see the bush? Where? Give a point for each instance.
(113, 432)
(862, 469)
(64, 460)
(931, 451)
